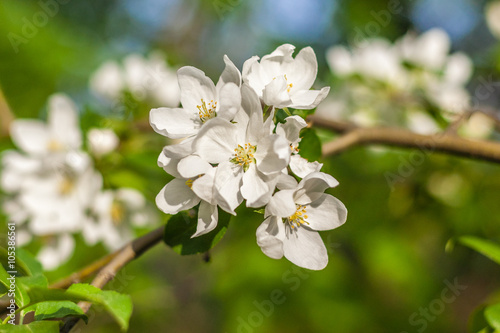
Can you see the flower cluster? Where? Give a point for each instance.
(53, 190)
(377, 80)
(146, 79)
(234, 150)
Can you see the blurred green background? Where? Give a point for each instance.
(387, 262)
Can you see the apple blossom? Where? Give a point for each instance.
(293, 217)
(282, 81)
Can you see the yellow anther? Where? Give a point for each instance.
(244, 156)
(207, 112)
(297, 219)
(117, 213)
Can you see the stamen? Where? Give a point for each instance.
(207, 112)
(298, 218)
(244, 156)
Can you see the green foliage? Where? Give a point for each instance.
(485, 247)
(182, 226)
(56, 310)
(310, 145)
(118, 305)
(34, 327)
(492, 315)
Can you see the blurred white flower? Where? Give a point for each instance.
(102, 141)
(394, 84)
(147, 79)
(53, 190)
(478, 126)
(115, 213)
(493, 17)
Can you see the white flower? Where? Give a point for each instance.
(376, 59)
(293, 217)
(116, 212)
(51, 183)
(493, 17)
(61, 133)
(57, 250)
(282, 81)
(429, 50)
(193, 185)
(147, 79)
(102, 141)
(291, 130)
(249, 157)
(201, 101)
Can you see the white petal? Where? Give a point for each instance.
(286, 182)
(31, 136)
(273, 154)
(195, 86)
(340, 60)
(192, 166)
(229, 100)
(282, 204)
(302, 71)
(269, 237)
(207, 219)
(63, 121)
(308, 99)
(204, 186)
(325, 213)
(174, 123)
(291, 128)
(275, 93)
(312, 187)
(175, 197)
(301, 167)
(169, 165)
(257, 188)
(228, 181)
(180, 150)
(230, 74)
(305, 248)
(282, 53)
(216, 141)
(102, 141)
(51, 256)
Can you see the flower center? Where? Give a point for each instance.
(207, 111)
(54, 146)
(298, 218)
(66, 186)
(117, 213)
(244, 156)
(294, 148)
(288, 86)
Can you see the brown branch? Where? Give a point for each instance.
(6, 116)
(109, 270)
(443, 142)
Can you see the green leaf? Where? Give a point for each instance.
(28, 262)
(118, 305)
(485, 247)
(19, 266)
(56, 309)
(4, 281)
(310, 145)
(182, 226)
(34, 327)
(492, 315)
